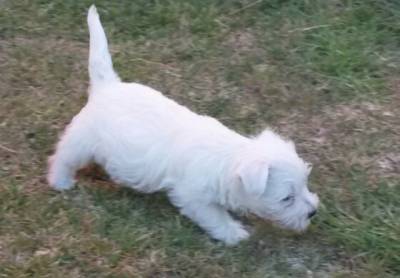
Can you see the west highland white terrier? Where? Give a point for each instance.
(150, 143)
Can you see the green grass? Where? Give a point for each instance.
(324, 73)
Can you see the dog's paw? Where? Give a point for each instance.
(237, 235)
(61, 184)
(232, 234)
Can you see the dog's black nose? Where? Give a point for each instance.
(312, 213)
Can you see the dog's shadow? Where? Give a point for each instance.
(134, 212)
(97, 182)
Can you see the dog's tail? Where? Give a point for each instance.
(100, 63)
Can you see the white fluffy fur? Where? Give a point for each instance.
(148, 142)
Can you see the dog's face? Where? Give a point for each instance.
(276, 189)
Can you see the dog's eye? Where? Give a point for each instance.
(288, 198)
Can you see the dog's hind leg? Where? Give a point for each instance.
(74, 151)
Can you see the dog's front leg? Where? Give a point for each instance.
(216, 221)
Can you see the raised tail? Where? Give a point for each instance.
(100, 63)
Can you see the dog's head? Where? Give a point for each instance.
(272, 180)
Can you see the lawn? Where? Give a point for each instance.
(324, 73)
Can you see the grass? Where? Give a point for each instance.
(324, 73)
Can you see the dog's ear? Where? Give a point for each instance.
(253, 176)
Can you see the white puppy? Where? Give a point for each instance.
(148, 142)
